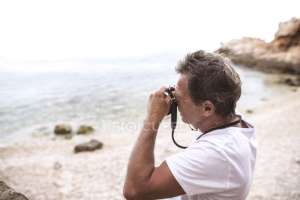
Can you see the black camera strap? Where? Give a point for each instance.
(222, 126)
(178, 145)
(212, 129)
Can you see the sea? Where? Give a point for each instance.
(106, 95)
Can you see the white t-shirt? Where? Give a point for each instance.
(219, 165)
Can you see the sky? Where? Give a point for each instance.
(60, 29)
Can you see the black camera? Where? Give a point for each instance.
(169, 92)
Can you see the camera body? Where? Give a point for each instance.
(173, 107)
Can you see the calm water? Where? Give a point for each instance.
(30, 101)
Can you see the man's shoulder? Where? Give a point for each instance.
(232, 144)
(215, 163)
(224, 137)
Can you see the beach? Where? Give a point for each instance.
(45, 167)
(75, 78)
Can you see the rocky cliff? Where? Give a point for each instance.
(280, 55)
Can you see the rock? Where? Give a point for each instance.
(249, 111)
(7, 193)
(292, 81)
(288, 34)
(280, 55)
(84, 129)
(88, 146)
(62, 129)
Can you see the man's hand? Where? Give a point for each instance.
(158, 106)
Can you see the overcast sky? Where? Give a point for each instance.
(58, 29)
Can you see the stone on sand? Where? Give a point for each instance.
(84, 129)
(62, 129)
(92, 145)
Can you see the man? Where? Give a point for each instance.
(219, 164)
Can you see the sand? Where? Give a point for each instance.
(45, 167)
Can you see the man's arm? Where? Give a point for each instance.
(143, 180)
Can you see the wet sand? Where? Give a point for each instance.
(44, 167)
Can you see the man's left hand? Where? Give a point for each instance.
(158, 105)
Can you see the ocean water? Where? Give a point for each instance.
(38, 100)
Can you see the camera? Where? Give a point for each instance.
(173, 107)
(169, 92)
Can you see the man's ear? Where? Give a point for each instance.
(208, 108)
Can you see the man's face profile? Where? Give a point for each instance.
(190, 112)
(186, 106)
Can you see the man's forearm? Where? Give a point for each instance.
(141, 162)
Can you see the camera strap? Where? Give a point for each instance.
(212, 129)
(223, 126)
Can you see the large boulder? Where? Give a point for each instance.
(7, 193)
(280, 55)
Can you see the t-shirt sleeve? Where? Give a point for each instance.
(201, 168)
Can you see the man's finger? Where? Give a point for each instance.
(160, 92)
(162, 89)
